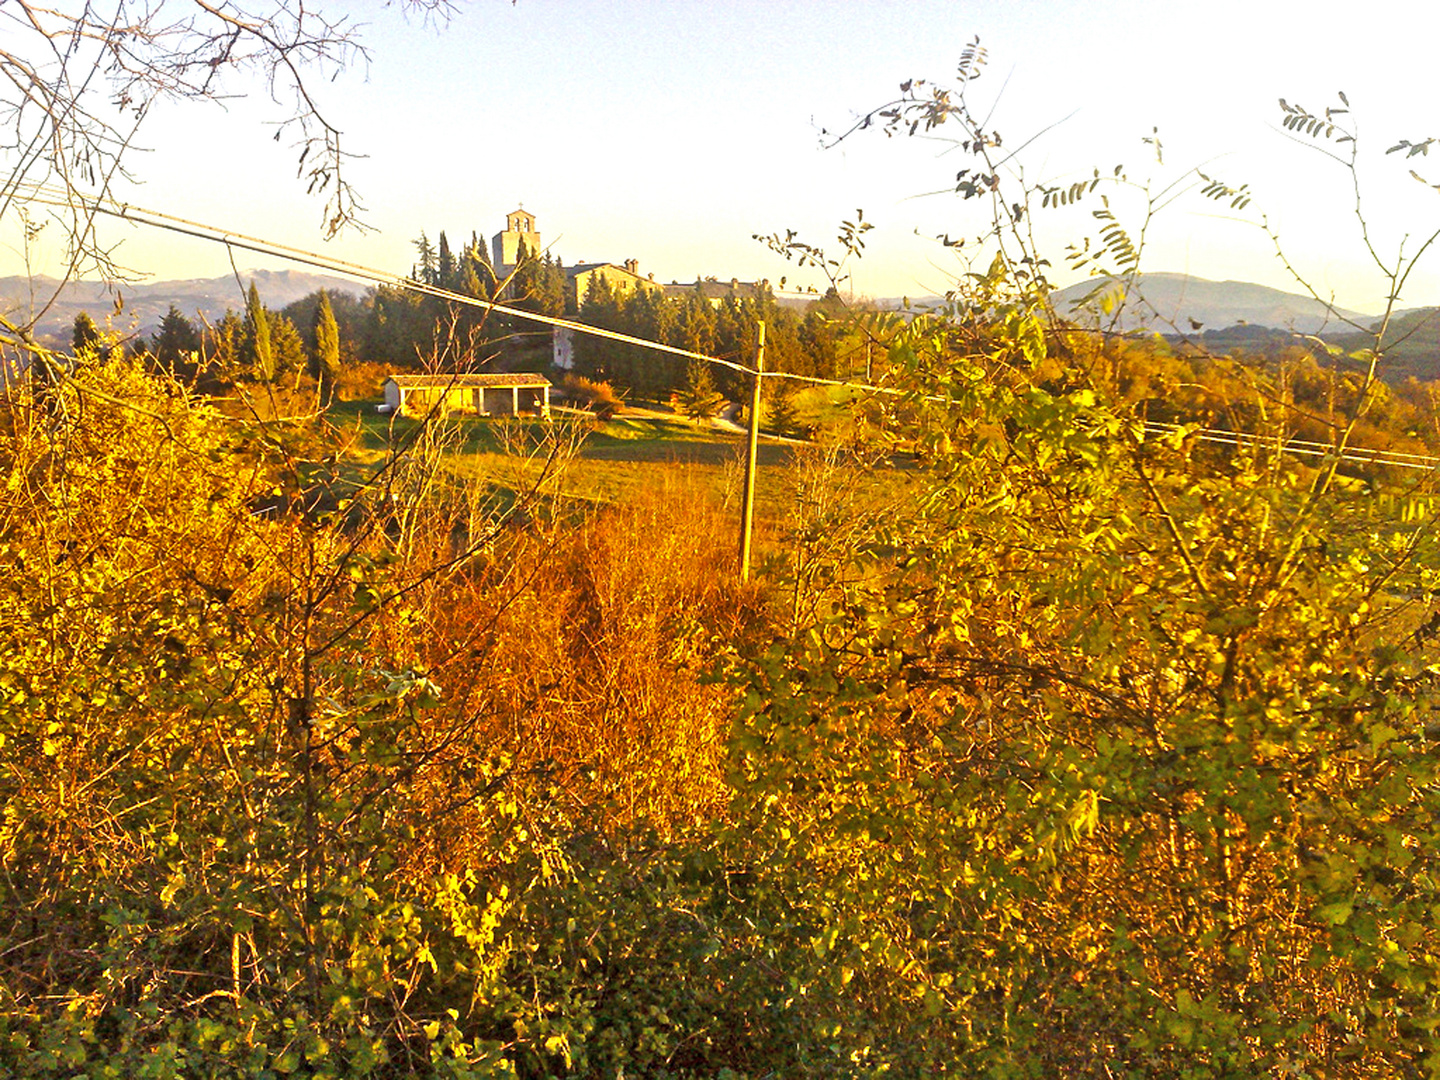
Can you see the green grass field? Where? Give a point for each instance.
(578, 462)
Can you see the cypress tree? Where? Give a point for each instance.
(325, 354)
(525, 279)
(551, 298)
(596, 358)
(476, 257)
(257, 330)
(780, 415)
(446, 264)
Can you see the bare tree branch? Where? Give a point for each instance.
(79, 77)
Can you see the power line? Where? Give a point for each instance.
(1300, 447)
(199, 230)
(53, 196)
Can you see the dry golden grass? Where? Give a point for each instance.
(579, 653)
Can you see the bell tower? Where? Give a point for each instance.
(519, 229)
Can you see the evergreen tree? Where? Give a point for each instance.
(648, 315)
(538, 284)
(476, 258)
(781, 416)
(325, 347)
(286, 346)
(598, 358)
(175, 345)
(699, 400)
(445, 273)
(391, 328)
(818, 342)
(426, 270)
(88, 343)
(734, 339)
(732, 320)
(86, 338)
(225, 351)
(473, 323)
(259, 352)
(524, 290)
(476, 278)
(695, 329)
(350, 316)
(471, 284)
(550, 289)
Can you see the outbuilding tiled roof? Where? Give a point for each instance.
(493, 380)
(711, 289)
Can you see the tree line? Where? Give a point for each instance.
(327, 338)
(324, 334)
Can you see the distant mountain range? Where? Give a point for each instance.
(1181, 302)
(1229, 315)
(1191, 305)
(1241, 315)
(1177, 302)
(140, 308)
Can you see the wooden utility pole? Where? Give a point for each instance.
(747, 512)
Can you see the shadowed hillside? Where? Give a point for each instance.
(141, 307)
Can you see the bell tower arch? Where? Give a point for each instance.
(519, 229)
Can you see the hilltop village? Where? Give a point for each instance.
(521, 240)
(397, 332)
(348, 345)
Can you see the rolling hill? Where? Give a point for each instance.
(139, 308)
(1412, 345)
(1179, 301)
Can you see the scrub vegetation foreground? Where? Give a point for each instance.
(1072, 753)
(1075, 750)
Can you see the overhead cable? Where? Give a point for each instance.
(55, 196)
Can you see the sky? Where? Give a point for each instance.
(672, 132)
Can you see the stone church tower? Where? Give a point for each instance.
(519, 229)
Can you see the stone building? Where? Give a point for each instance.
(622, 280)
(505, 247)
(716, 292)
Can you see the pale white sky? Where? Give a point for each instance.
(669, 132)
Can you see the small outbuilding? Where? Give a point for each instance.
(488, 394)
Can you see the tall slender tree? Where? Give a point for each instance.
(550, 289)
(445, 270)
(427, 269)
(695, 328)
(325, 348)
(287, 345)
(648, 315)
(257, 334)
(597, 358)
(476, 258)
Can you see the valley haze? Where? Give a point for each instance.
(1170, 298)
